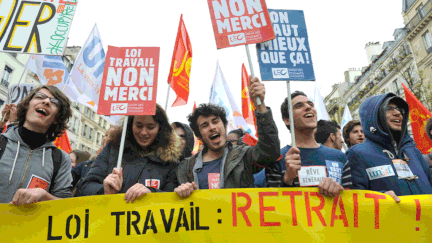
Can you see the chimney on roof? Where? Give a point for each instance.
(372, 49)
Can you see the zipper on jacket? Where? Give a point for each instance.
(25, 171)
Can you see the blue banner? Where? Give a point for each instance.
(288, 57)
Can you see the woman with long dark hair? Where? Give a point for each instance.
(150, 157)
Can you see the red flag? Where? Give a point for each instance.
(63, 143)
(181, 65)
(418, 117)
(247, 105)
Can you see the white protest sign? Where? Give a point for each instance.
(39, 27)
(311, 175)
(19, 92)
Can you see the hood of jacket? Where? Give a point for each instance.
(374, 124)
(13, 134)
(190, 141)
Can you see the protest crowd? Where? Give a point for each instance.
(157, 154)
(146, 152)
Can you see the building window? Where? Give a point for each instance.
(90, 133)
(98, 138)
(84, 130)
(396, 89)
(427, 38)
(6, 76)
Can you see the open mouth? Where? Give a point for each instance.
(214, 136)
(42, 112)
(309, 115)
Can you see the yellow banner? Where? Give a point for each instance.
(239, 215)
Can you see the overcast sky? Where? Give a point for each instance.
(338, 31)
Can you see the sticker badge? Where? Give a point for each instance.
(155, 183)
(213, 180)
(311, 175)
(402, 169)
(335, 169)
(378, 172)
(37, 182)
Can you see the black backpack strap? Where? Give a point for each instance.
(3, 143)
(57, 160)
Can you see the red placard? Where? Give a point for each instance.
(240, 22)
(129, 84)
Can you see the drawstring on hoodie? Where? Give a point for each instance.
(13, 166)
(43, 158)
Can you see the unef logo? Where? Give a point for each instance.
(380, 172)
(280, 72)
(237, 38)
(119, 108)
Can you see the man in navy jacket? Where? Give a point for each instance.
(388, 161)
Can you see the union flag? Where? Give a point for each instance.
(419, 115)
(181, 64)
(247, 105)
(63, 143)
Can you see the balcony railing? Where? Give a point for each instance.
(419, 16)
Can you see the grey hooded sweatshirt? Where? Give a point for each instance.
(21, 167)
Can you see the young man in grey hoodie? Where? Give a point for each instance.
(28, 173)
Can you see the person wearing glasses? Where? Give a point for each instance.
(388, 161)
(32, 169)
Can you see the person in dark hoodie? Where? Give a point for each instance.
(388, 161)
(187, 138)
(150, 158)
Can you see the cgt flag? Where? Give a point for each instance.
(181, 64)
(418, 117)
(248, 108)
(63, 143)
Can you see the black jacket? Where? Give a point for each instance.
(156, 171)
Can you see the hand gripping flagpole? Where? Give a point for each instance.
(120, 157)
(290, 114)
(258, 100)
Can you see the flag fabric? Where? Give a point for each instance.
(52, 71)
(320, 105)
(419, 115)
(220, 94)
(248, 109)
(88, 69)
(181, 64)
(346, 117)
(63, 143)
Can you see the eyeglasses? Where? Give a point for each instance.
(393, 108)
(42, 96)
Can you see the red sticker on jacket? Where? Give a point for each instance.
(37, 182)
(155, 183)
(213, 180)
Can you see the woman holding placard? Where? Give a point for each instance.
(150, 157)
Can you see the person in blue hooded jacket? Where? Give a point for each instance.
(388, 161)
